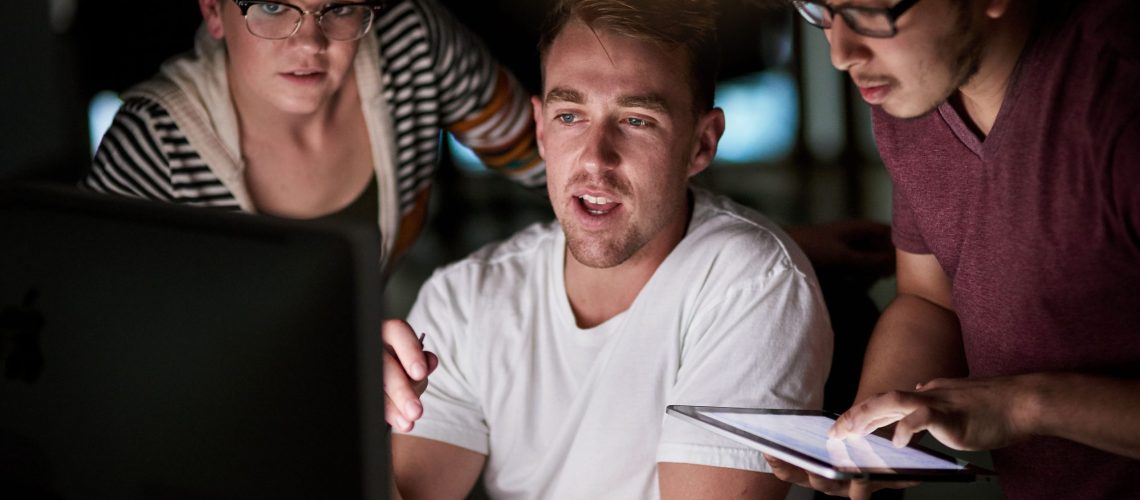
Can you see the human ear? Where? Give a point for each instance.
(536, 107)
(710, 127)
(995, 9)
(212, 15)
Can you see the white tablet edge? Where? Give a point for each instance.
(794, 459)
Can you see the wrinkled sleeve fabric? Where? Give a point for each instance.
(766, 343)
(452, 413)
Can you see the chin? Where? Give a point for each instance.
(909, 110)
(301, 105)
(597, 255)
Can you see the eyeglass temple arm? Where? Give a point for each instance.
(900, 7)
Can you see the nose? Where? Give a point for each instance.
(847, 47)
(309, 35)
(600, 152)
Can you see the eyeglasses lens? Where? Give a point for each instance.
(874, 23)
(277, 21)
(814, 13)
(346, 22)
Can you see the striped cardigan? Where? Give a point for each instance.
(435, 76)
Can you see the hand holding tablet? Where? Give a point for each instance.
(801, 438)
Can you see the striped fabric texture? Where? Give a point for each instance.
(436, 76)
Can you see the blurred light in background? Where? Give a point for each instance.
(62, 14)
(99, 115)
(762, 116)
(464, 157)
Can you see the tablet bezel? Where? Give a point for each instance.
(697, 415)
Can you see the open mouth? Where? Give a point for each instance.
(597, 205)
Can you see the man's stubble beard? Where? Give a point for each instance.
(586, 248)
(964, 63)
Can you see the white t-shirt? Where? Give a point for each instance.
(733, 317)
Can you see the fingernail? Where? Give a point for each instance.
(918, 387)
(419, 371)
(401, 423)
(412, 408)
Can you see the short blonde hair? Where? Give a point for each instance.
(688, 24)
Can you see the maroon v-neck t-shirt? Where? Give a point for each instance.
(1038, 227)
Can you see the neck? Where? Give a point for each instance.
(596, 295)
(982, 96)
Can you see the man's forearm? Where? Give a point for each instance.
(685, 481)
(1096, 411)
(914, 341)
(425, 468)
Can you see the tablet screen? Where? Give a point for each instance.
(808, 434)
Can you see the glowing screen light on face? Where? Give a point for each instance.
(100, 113)
(761, 117)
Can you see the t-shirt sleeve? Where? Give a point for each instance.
(452, 413)
(889, 137)
(904, 227)
(483, 104)
(130, 160)
(764, 345)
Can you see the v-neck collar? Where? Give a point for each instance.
(988, 146)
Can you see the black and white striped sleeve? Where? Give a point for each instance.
(130, 160)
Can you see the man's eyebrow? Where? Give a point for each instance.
(564, 95)
(653, 102)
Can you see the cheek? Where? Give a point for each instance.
(343, 56)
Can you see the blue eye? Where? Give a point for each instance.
(271, 9)
(343, 10)
(566, 118)
(636, 122)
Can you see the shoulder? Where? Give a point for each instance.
(1095, 55)
(1111, 24)
(740, 239)
(142, 110)
(496, 266)
(132, 158)
(141, 126)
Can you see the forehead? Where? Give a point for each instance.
(603, 65)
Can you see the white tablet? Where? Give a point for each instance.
(799, 437)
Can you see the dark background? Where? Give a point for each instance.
(60, 53)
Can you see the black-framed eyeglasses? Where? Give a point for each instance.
(279, 20)
(867, 21)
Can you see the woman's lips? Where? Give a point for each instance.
(304, 76)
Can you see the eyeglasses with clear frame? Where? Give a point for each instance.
(875, 22)
(279, 20)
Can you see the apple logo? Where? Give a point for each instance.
(20, 350)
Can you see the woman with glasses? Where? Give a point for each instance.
(306, 109)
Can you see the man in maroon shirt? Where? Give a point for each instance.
(1011, 130)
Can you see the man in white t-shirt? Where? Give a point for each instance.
(559, 348)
